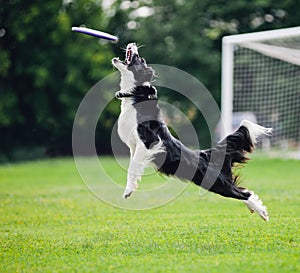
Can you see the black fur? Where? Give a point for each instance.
(214, 164)
(142, 72)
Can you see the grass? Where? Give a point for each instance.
(50, 222)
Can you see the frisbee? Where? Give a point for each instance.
(95, 33)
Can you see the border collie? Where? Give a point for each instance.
(142, 129)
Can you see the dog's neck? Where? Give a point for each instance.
(127, 84)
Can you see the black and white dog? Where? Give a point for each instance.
(149, 140)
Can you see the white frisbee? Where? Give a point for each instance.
(95, 33)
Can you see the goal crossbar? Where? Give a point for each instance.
(261, 35)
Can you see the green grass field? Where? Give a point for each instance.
(50, 222)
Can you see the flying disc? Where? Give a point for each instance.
(95, 33)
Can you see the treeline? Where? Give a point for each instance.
(45, 69)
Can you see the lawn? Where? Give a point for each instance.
(51, 222)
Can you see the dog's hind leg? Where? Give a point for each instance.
(251, 200)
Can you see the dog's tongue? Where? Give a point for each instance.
(128, 56)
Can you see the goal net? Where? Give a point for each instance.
(261, 82)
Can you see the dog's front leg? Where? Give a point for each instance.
(135, 171)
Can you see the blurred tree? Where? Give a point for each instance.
(45, 71)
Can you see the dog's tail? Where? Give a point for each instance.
(236, 146)
(255, 131)
(243, 140)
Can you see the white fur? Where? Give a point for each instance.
(255, 204)
(127, 78)
(255, 130)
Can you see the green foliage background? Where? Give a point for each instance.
(45, 69)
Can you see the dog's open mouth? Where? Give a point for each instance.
(131, 50)
(132, 57)
(128, 56)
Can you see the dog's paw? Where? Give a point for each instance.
(127, 194)
(129, 190)
(254, 204)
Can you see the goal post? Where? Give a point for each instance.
(261, 78)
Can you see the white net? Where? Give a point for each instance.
(266, 85)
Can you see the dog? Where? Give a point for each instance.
(142, 129)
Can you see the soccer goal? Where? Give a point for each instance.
(261, 82)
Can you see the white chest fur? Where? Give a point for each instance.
(127, 124)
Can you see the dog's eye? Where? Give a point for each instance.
(143, 60)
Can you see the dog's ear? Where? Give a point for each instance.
(149, 73)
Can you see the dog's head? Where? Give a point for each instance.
(134, 69)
